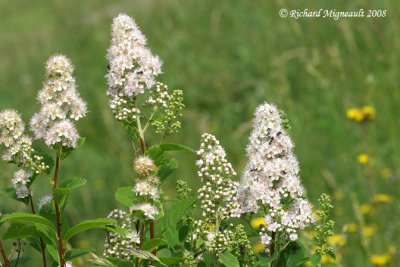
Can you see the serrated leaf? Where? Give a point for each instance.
(27, 218)
(151, 244)
(228, 259)
(87, 225)
(125, 196)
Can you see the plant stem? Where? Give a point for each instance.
(4, 255)
(58, 214)
(18, 253)
(42, 245)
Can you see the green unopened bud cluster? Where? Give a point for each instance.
(324, 229)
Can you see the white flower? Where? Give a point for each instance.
(271, 177)
(60, 102)
(149, 210)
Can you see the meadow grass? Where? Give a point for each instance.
(228, 57)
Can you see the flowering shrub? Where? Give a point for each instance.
(256, 221)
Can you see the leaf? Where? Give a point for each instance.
(176, 147)
(27, 217)
(19, 231)
(87, 225)
(125, 196)
(66, 151)
(175, 213)
(315, 259)
(293, 254)
(53, 251)
(146, 255)
(151, 244)
(77, 252)
(170, 260)
(21, 261)
(10, 192)
(167, 168)
(172, 236)
(73, 183)
(228, 259)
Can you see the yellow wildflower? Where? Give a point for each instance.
(363, 159)
(338, 195)
(327, 259)
(368, 112)
(392, 250)
(257, 222)
(308, 264)
(351, 228)
(355, 114)
(257, 248)
(337, 240)
(380, 259)
(365, 209)
(382, 198)
(368, 230)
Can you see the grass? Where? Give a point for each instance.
(228, 57)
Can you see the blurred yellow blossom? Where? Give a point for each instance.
(257, 222)
(257, 248)
(380, 259)
(368, 230)
(382, 198)
(365, 209)
(337, 240)
(351, 228)
(361, 114)
(363, 158)
(355, 114)
(392, 250)
(327, 259)
(368, 112)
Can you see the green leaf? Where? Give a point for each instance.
(175, 213)
(77, 252)
(87, 225)
(19, 231)
(73, 183)
(66, 151)
(170, 260)
(27, 217)
(151, 244)
(10, 192)
(146, 255)
(293, 255)
(176, 147)
(125, 196)
(167, 168)
(53, 251)
(228, 259)
(21, 261)
(315, 259)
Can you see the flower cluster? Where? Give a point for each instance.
(361, 114)
(60, 105)
(170, 104)
(271, 181)
(146, 187)
(117, 246)
(132, 67)
(217, 195)
(19, 150)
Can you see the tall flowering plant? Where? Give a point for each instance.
(252, 221)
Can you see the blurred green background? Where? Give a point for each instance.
(228, 57)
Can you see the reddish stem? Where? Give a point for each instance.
(58, 214)
(3, 253)
(42, 245)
